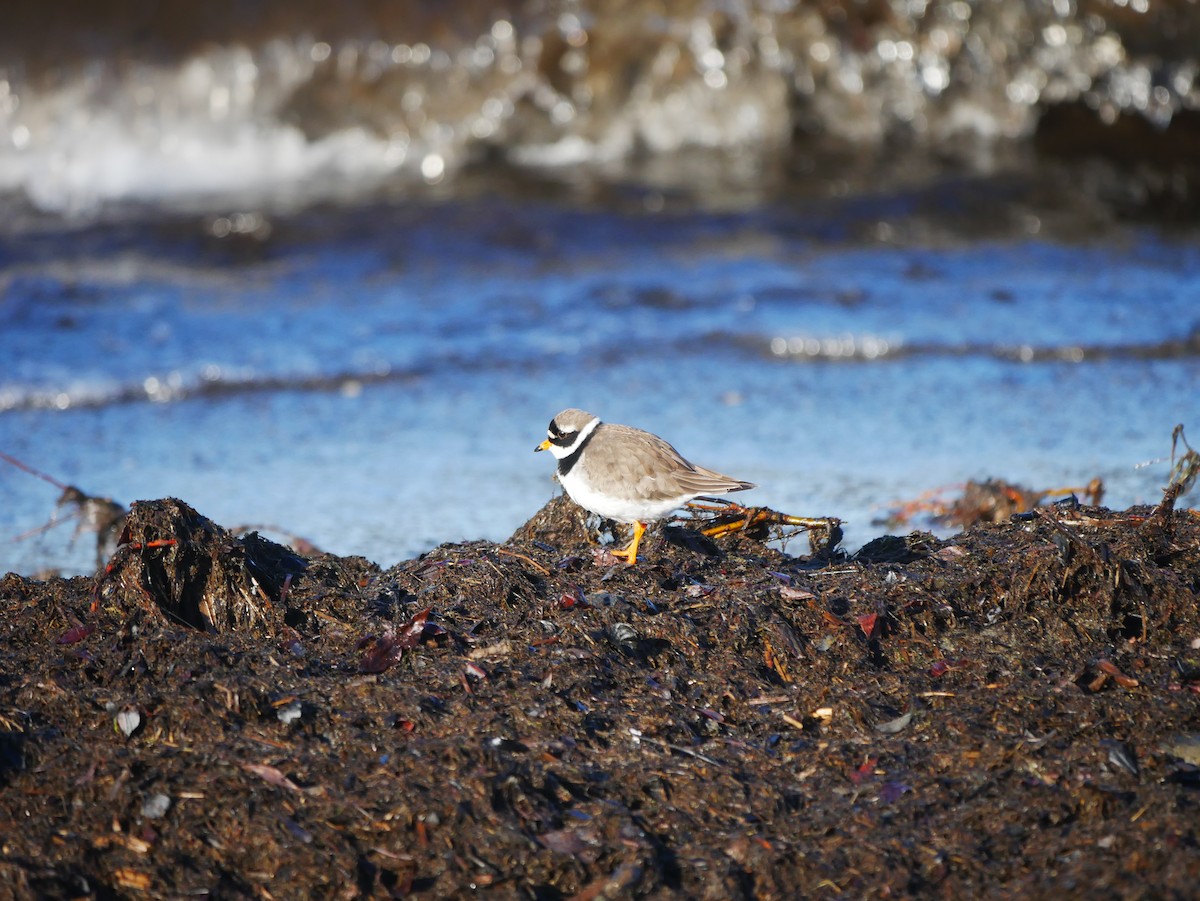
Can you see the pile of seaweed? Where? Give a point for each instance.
(1013, 711)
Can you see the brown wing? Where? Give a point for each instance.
(704, 481)
(652, 468)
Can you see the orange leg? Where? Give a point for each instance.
(629, 555)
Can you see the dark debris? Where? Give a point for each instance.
(1007, 713)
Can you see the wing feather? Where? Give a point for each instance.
(674, 475)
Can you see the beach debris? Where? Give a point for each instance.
(92, 513)
(899, 724)
(1183, 472)
(272, 776)
(290, 712)
(563, 522)
(474, 671)
(895, 548)
(581, 842)
(1101, 673)
(864, 772)
(795, 594)
(989, 501)
(1121, 755)
(891, 791)
(622, 635)
(135, 880)
(106, 518)
(741, 692)
(573, 598)
(782, 646)
(156, 806)
(825, 532)
(383, 651)
(298, 543)
(940, 667)
(127, 721)
(296, 831)
(173, 560)
(76, 633)
(869, 623)
(560, 522)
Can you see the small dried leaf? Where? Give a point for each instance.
(1110, 669)
(865, 772)
(475, 671)
(387, 649)
(795, 594)
(272, 776)
(568, 600)
(132, 879)
(76, 634)
(868, 622)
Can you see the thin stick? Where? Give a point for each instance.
(44, 527)
(33, 472)
(533, 563)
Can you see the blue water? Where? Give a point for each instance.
(375, 380)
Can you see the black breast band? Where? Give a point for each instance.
(566, 464)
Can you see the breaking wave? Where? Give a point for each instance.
(132, 102)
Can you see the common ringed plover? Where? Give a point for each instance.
(622, 473)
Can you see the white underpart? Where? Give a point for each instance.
(587, 496)
(620, 509)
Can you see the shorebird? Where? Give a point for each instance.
(626, 474)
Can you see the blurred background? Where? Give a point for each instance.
(331, 268)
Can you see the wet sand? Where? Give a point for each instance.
(1011, 712)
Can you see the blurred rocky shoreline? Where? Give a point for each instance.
(126, 101)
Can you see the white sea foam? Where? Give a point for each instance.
(77, 168)
(211, 127)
